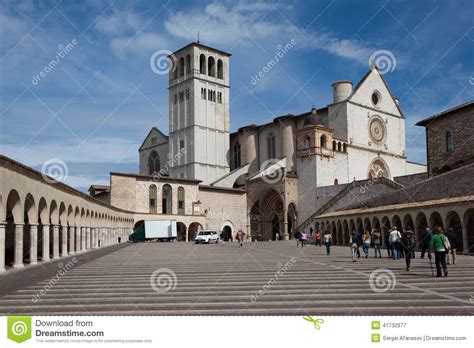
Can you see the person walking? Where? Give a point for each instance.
(240, 237)
(425, 241)
(387, 244)
(439, 244)
(395, 237)
(408, 244)
(410, 231)
(298, 238)
(327, 242)
(304, 239)
(318, 238)
(366, 240)
(354, 245)
(377, 240)
(454, 244)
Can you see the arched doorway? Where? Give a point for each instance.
(181, 232)
(453, 221)
(227, 234)
(276, 231)
(193, 229)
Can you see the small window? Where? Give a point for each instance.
(187, 93)
(152, 203)
(376, 98)
(181, 144)
(181, 97)
(175, 99)
(449, 141)
(336, 182)
(153, 141)
(203, 93)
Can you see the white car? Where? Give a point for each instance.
(206, 236)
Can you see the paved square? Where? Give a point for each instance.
(265, 278)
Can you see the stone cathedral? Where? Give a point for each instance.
(287, 168)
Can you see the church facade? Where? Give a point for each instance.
(289, 167)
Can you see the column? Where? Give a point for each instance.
(93, 237)
(55, 241)
(45, 256)
(2, 247)
(33, 244)
(78, 240)
(18, 263)
(285, 223)
(64, 241)
(88, 238)
(465, 240)
(71, 240)
(83, 238)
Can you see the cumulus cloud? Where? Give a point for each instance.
(119, 22)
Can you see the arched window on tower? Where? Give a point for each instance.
(153, 163)
(181, 67)
(211, 66)
(188, 64)
(181, 208)
(166, 199)
(220, 69)
(271, 148)
(152, 199)
(202, 64)
(339, 146)
(334, 146)
(237, 162)
(449, 141)
(323, 141)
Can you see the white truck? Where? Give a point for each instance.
(159, 230)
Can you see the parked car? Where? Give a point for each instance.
(206, 236)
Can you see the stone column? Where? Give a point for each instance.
(286, 236)
(55, 241)
(45, 256)
(71, 240)
(64, 241)
(93, 237)
(83, 238)
(2, 247)
(465, 240)
(18, 263)
(88, 238)
(78, 239)
(33, 244)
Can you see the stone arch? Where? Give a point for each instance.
(220, 69)
(188, 64)
(396, 221)
(211, 66)
(346, 231)
(453, 221)
(181, 200)
(339, 146)
(367, 224)
(436, 220)
(181, 67)
(421, 223)
(468, 226)
(202, 64)
(152, 199)
(193, 229)
(359, 225)
(181, 231)
(227, 231)
(408, 222)
(323, 141)
(385, 226)
(339, 232)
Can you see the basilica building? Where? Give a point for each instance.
(289, 167)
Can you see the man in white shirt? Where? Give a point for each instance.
(394, 238)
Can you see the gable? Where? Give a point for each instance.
(374, 81)
(154, 138)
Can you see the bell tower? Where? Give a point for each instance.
(199, 113)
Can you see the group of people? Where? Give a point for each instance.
(403, 245)
(302, 239)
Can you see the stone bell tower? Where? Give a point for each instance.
(199, 113)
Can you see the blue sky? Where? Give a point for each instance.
(93, 109)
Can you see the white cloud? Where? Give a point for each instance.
(143, 42)
(119, 22)
(222, 24)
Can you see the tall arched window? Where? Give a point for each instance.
(181, 200)
(323, 141)
(152, 199)
(202, 64)
(153, 163)
(211, 66)
(181, 67)
(237, 162)
(188, 64)
(339, 146)
(166, 199)
(449, 141)
(220, 69)
(334, 146)
(307, 143)
(271, 152)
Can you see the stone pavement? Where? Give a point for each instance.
(264, 278)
